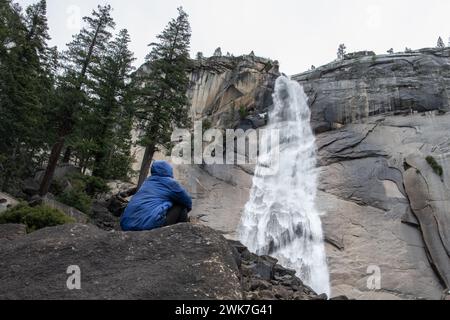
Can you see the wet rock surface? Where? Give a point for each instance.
(264, 279)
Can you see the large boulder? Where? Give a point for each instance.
(7, 201)
(177, 262)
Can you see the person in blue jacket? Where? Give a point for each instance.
(160, 202)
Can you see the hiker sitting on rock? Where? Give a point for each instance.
(161, 201)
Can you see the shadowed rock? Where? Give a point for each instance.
(179, 262)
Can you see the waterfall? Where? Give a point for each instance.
(281, 218)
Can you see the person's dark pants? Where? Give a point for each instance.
(176, 214)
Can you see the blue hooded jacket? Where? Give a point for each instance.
(148, 208)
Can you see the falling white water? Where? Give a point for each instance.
(281, 218)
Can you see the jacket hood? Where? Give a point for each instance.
(162, 169)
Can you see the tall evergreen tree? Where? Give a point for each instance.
(26, 82)
(80, 60)
(163, 103)
(112, 112)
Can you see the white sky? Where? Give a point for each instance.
(298, 33)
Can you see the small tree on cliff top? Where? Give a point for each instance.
(440, 43)
(162, 102)
(341, 51)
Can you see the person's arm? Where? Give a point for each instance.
(180, 196)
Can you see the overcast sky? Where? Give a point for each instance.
(298, 33)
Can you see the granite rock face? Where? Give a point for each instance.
(377, 119)
(227, 90)
(355, 88)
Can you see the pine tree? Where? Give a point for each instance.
(440, 43)
(26, 83)
(163, 103)
(112, 114)
(199, 56)
(218, 52)
(341, 52)
(80, 60)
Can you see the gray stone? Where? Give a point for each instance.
(180, 262)
(12, 232)
(354, 89)
(430, 202)
(7, 201)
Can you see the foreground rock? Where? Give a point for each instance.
(264, 279)
(12, 232)
(179, 262)
(186, 262)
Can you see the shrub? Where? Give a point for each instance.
(77, 199)
(84, 189)
(92, 186)
(437, 168)
(35, 218)
(243, 113)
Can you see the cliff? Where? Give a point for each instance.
(229, 89)
(362, 86)
(377, 119)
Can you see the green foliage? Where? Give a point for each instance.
(162, 102)
(437, 168)
(82, 191)
(243, 112)
(26, 84)
(109, 123)
(35, 218)
(91, 185)
(75, 84)
(77, 199)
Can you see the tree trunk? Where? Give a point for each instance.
(146, 163)
(67, 155)
(99, 164)
(51, 166)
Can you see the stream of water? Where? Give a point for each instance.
(281, 218)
